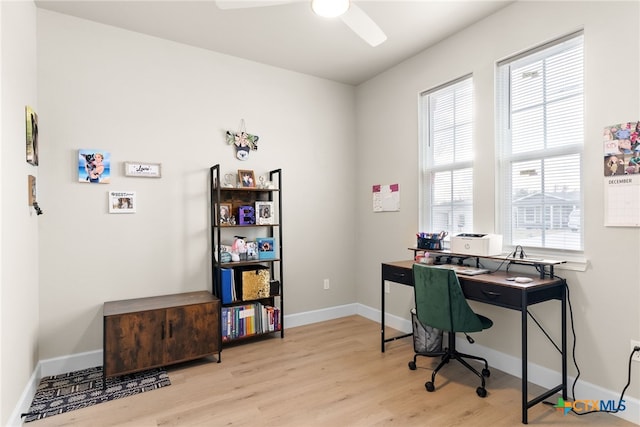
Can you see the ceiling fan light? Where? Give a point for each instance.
(329, 8)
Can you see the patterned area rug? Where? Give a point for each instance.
(75, 390)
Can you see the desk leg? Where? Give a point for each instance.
(563, 301)
(525, 403)
(382, 314)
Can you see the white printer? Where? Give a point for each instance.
(476, 244)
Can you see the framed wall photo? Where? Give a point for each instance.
(146, 170)
(31, 119)
(247, 178)
(122, 202)
(94, 166)
(264, 213)
(31, 187)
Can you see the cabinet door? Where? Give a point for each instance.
(133, 341)
(193, 332)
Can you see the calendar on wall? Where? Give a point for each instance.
(621, 163)
(386, 198)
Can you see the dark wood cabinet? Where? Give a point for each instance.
(157, 331)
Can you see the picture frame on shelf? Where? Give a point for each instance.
(264, 212)
(246, 178)
(266, 247)
(122, 202)
(143, 170)
(225, 213)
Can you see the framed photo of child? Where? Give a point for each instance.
(264, 213)
(225, 214)
(247, 178)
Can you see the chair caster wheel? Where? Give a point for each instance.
(429, 386)
(486, 373)
(412, 365)
(481, 391)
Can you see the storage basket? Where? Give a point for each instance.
(435, 244)
(252, 282)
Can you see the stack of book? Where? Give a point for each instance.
(251, 319)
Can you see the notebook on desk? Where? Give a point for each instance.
(463, 269)
(471, 271)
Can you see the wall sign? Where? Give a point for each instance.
(146, 170)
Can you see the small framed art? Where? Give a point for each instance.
(225, 214)
(32, 135)
(122, 202)
(145, 170)
(94, 166)
(266, 247)
(247, 178)
(32, 189)
(264, 213)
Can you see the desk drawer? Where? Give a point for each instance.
(502, 296)
(397, 274)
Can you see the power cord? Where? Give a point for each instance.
(515, 253)
(573, 351)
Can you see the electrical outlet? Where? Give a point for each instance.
(326, 283)
(636, 355)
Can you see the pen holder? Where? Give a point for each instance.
(429, 243)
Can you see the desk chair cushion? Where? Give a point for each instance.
(435, 290)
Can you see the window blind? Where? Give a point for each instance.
(540, 132)
(447, 153)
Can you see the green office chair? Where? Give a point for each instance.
(441, 304)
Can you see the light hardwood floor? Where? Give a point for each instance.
(326, 374)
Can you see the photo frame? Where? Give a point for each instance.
(31, 121)
(264, 212)
(31, 187)
(246, 178)
(225, 214)
(143, 170)
(122, 202)
(94, 166)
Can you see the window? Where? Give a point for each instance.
(446, 142)
(540, 143)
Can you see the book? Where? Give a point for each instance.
(226, 285)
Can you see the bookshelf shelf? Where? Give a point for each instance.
(251, 288)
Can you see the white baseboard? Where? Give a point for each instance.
(541, 376)
(47, 368)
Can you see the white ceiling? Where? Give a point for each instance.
(290, 36)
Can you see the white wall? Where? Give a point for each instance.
(146, 99)
(606, 296)
(18, 222)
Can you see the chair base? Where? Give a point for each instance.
(449, 354)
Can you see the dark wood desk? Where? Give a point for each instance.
(494, 289)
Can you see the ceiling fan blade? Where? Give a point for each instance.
(363, 25)
(246, 4)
